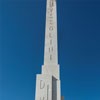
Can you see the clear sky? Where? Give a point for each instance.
(22, 28)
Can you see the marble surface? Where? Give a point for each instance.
(48, 82)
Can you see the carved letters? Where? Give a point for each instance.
(51, 3)
(50, 12)
(51, 24)
(50, 36)
(46, 87)
(51, 28)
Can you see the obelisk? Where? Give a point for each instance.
(48, 82)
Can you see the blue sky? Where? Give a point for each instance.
(22, 28)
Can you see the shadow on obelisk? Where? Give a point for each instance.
(54, 89)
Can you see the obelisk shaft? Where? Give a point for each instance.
(51, 53)
(48, 82)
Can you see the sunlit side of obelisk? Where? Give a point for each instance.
(48, 82)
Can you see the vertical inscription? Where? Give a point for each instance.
(42, 86)
(51, 25)
(50, 13)
(46, 87)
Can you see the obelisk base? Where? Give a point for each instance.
(47, 87)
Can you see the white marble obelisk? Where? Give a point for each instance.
(48, 82)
